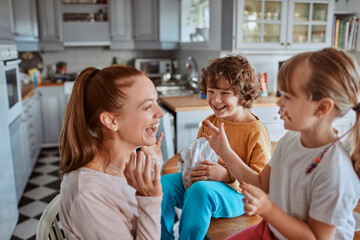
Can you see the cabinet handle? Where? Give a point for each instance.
(288, 44)
(193, 125)
(282, 44)
(276, 118)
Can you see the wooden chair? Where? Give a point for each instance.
(220, 228)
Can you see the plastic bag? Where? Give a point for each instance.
(191, 157)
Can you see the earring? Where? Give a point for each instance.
(115, 129)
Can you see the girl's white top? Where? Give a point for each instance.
(328, 194)
(95, 205)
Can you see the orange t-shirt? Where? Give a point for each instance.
(250, 141)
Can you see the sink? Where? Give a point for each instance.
(175, 90)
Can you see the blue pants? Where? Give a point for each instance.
(200, 202)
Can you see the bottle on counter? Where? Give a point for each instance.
(114, 61)
(263, 82)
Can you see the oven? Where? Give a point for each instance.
(9, 77)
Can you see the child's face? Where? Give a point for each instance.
(297, 111)
(223, 101)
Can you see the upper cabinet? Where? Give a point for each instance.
(50, 26)
(25, 25)
(284, 24)
(85, 23)
(156, 24)
(121, 24)
(6, 34)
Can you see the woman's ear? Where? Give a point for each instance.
(324, 107)
(109, 121)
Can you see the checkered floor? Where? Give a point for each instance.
(43, 186)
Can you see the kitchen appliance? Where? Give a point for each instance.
(9, 75)
(154, 67)
(9, 107)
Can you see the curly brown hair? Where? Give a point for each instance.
(238, 73)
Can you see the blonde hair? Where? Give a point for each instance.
(333, 74)
(83, 134)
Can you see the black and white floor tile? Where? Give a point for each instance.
(43, 186)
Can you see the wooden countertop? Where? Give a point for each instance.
(27, 90)
(195, 103)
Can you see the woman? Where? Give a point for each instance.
(103, 196)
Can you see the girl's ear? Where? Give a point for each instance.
(109, 121)
(325, 106)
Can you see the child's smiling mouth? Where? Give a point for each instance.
(218, 108)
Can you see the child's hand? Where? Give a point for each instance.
(217, 140)
(155, 150)
(209, 171)
(256, 201)
(140, 178)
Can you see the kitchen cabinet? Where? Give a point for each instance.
(25, 25)
(19, 156)
(85, 24)
(121, 24)
(284, 24)
(6, 34)
(52, 112)
(156, 24)
(33, 126)
(51, 35)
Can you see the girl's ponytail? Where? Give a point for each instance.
(77, 144)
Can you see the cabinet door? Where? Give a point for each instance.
(121, 24)
(50, 24)
(25, 21)
(146, 17)
(261, 24)
(52, 111)
(6, 22)
(187, 127)
(18, 154)
(38, 132)
(310, 24)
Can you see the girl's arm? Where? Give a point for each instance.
(258, 202)
(218, 141)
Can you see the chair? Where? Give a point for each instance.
(48, 227)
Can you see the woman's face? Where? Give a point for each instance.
(140, 118)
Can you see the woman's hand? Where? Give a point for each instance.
(256, 201)
(140, 178)
(155, 150)
(209, 171)
(217, 140)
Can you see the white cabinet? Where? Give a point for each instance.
(187, 125)
(284, 24)
(6, 34)
(19, 156)
(32, 122)
(270, 117)
(52, 111)
(156, 24)
(51, 36)
(121, 25)
(25, 25)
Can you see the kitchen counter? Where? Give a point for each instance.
(27, 90)
(195, 103)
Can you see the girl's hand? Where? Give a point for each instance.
(217, 140)
(155, 150)
(256, 201)
(140, 178)
(209, 171)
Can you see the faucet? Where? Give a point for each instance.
(193, 75)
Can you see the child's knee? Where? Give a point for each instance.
(198, 190)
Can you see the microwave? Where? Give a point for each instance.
(154, 67)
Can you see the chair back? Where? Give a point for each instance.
(48, 227)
